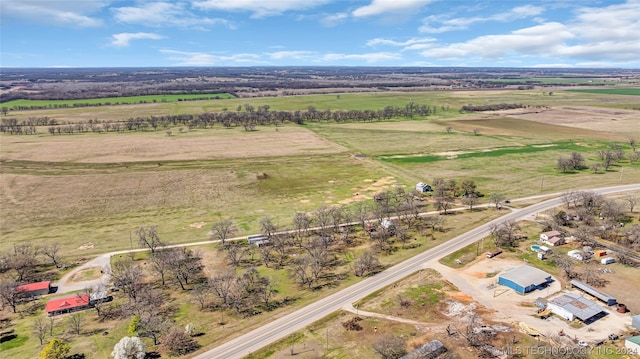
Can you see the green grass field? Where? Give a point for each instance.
(611, 91)
(107, 101)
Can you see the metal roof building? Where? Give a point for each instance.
(571, 306)
(594, 292)
(525, 279)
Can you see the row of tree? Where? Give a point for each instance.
(247, 116)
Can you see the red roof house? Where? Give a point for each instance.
(67, 304)
(34, 289)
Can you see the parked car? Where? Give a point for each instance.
(613, 336)
(582, 343)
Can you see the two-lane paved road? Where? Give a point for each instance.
(295, 321)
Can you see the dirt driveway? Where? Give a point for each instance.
(511, 307)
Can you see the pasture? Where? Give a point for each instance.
(89, 191)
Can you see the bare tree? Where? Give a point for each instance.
(390, 346)
(52, 251)
(178, 343)
(566, 264)
(235, 252)
(496, 198)
(301, 224)
(505, 233)
(222, 284)
(128, 277)
(23, 260)
(362, 213)
(366, 263)
(222, 230)
(434, 222)
(632, 201)
(470, 200)
(51, 326)
(75, 322)
(267, 226)
(184, 264)
(201, 294)
(148, 237)
(160, 264)
(40, 328)
(152, 325)
(9, 295)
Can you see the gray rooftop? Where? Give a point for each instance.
(593, 291)
(526, 275)
(577, 305)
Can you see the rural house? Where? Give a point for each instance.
(69, 304)
(525, 279)
(423, 187)
(33, 289)
(552, 238)
(75, 303)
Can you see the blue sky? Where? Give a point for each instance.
(509, 33)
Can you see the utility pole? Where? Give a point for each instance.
(327, 340)
(292, 344)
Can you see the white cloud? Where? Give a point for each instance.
(536, 40)
(70, 13)
(439, 24)
(410, 42)
(334, 19)
(596, 36)
(259, 8)
(123, 39)
(159, 14)
(186, 58)
(378, 7)
(369, 57)
(296, 55)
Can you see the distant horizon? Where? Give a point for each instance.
(565, 34)
(319, 66)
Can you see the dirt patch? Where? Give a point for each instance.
(460, 296)
(85, 246)
(197, 225)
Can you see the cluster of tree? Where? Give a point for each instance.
(590, 216)
(574, 162)
(447, 191)
(608, 157)
(494, 107)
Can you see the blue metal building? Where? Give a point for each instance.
(525, 279)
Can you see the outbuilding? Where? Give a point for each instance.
(33, 289)
(423, 187)
(572, 306)
(525, 279)
(594, 292)
(633, 344)
(635, 321)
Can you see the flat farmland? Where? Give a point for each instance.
(215, 143)
(88, 191)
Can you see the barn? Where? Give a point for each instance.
(33, 289)
(525, 279)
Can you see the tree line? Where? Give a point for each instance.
(247, 116)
